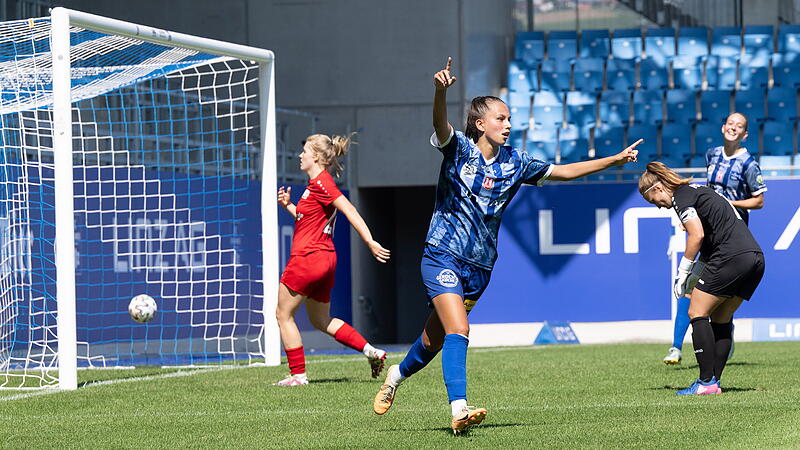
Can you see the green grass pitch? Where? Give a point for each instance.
(578, 396)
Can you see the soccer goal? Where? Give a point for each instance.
(134, 161)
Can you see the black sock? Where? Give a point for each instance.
(723, 338)
(703, 341)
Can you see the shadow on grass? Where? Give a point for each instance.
(448, 430)
(730, 364)
(340, 380)
(725, 389)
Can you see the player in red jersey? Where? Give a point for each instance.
(308, 277)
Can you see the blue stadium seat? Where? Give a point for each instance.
(520, 98)
(721, 72)
(627, 44)
(588, 74)
(693, 41)
(676, 141)
(659, 45)
(706, 136)
(653, 75)
(752, 104)
(608, 141)
(520, 78)
(778, 138)
(715, 106)
(581, 108)
(789, 39)
(647, 107)
(754, 71)
(548, 109)
(595, 44)
(757, 39)
(681, 106)
(573, 144)
(673, 162)
(529, 47)
(726, 41)
(786, 69)
(556, 74)
(520, 117)
(562, 45)
(614, 108)
(648, 149)
(542, 143)
(782, 104)
(687, 72)
(767, 162)
(517, 139)
(621, 74)
(698, 161)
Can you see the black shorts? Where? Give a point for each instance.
(736, 277)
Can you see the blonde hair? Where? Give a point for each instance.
(658, 172)
(330, 149)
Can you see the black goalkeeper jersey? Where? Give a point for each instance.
(726, 234)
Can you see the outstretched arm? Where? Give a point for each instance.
(572, 171)
(442, 80)
(347, 208)
(285, 200)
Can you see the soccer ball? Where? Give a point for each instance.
(142, 308)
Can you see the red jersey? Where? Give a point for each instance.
(316, 216)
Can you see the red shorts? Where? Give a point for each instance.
(311, 275)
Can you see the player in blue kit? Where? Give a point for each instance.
(478, 178)
(734, 174)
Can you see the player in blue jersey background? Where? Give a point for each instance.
(479, 176)
(733, 173)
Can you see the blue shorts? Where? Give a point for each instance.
(443, 273)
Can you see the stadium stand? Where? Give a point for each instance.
(621, 74)
(555, 74)
(562, 45)
(653, 75)
(595, 44)
(615, 108)
(751, 103)
(777, 138)
(715, 106)
(659, 46)
(588, 74)
(681, 106)
(647, 107)
(627, 44)
(782, 104)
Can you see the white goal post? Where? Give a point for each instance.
(137, 161)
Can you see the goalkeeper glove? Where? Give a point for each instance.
(684, 269)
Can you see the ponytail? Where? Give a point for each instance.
(330, 150)
(658, 172)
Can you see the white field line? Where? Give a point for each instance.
(205, 369)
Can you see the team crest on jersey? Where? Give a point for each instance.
(447, 278)
(488, 182)
(306, 193)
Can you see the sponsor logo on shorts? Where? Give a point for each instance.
(447, 278)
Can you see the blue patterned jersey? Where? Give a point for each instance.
(472, 195)
(736, 178)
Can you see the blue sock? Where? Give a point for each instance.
(681, 322)
(454, 366)
(416, 358)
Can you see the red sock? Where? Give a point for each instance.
(348, 336)
(297, 360)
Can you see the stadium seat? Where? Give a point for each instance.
(786, 69)
(588, 74)
(548, 109)
(516, 139)
(529, 47)
(771, 165)
(608, 141)
(649, 148)
(673, 162)
(676, 141)
(782, 104)
(715, 106)
(687, 72)
(581, 108)
(614, 108)
(752, 104)
(706, 136)
(757, 39)
(647, 107)
(573, 144)
(698, 161)
(653, 75)
(520, 78)
(542, 143)
(789, 39)
(627, 44)
(555, 74)
(520, 98)
(659, 45)
(520, 117)
(562, 45)
(621, 74)
(681, 106)
(754, 71)
(693, 41)
(721, 72)
(726, 41)
(595, 44)
(778, 138)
